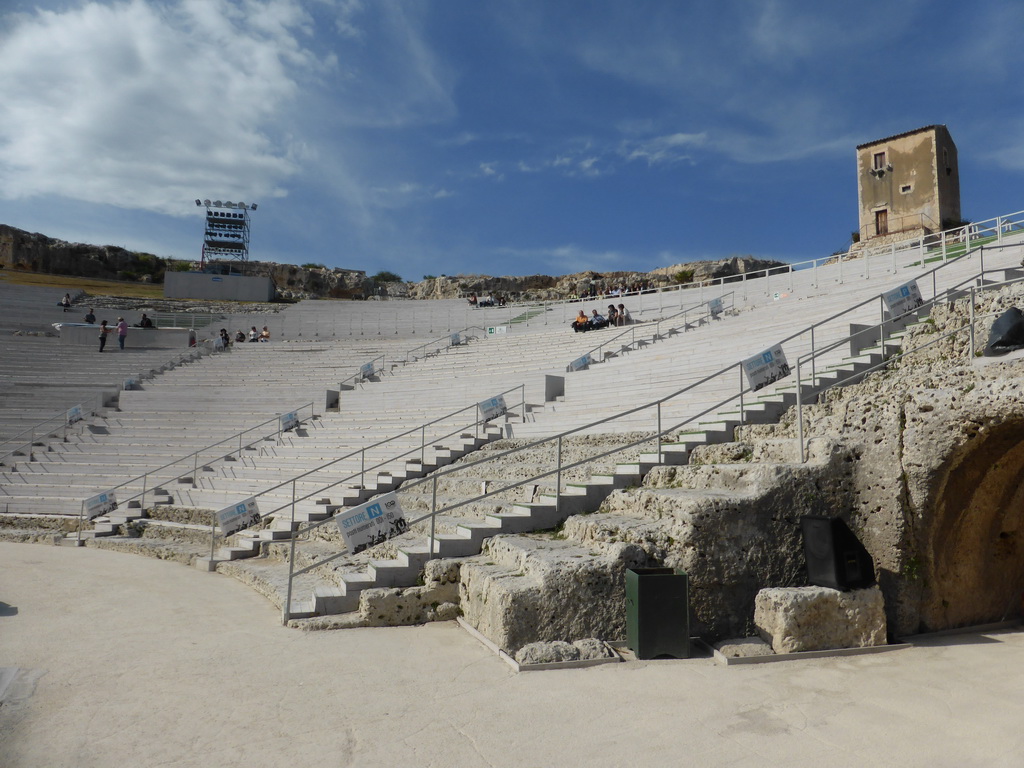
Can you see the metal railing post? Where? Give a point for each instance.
(81, 517)
(433, 517)
(971, 347)
(799, 412)
(813, 355)
(423, 445)
(658, 434)
(558, 477)
(286, 611)
(740, 370)
(362, 467)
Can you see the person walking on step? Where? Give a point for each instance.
(90, 318)
(122, 331)
(104, 332)
(66, 302)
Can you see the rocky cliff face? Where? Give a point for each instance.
(38, 253)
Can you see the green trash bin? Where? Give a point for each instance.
(657, 613)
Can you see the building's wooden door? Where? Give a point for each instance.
(881, 222)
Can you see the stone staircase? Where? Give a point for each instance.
(344, 587)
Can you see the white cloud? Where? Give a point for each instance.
(673, 148)
(149, 106)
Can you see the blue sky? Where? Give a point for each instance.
(499, 137)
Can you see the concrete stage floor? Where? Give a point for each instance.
(109, 659)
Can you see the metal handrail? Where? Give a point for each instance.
(390, 460)
(657, 331)
(141, 495)
(358, 375)
(899, 356)
(60, 418)
(996, 227)
(406, 358)
(192, 354)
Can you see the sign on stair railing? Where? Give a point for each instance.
(73, 415)
(372, 523)
(239, 516)
(289, 421)
(580, 362)
(904, 299)
(766, 368)
(367, 370)
(492, 408)
(100, 504)
(715, 307)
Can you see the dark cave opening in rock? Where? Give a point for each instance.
(976, 545)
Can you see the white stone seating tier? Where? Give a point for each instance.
(191, 406)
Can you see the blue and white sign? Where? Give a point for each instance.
(100, 504)
(766, 368)
(372, 522)
(904, 299)
(239, 516)
(715, 307)
(289, 421)
(456, 340)
(581, 362)
(74, 414)
(367, 370)
(492, 407)
(129, 384)
(497, 330)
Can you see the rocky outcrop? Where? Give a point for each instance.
(38, 253)
(33, 252)
(820, 619)
(544, 287)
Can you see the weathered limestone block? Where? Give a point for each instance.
(559, 650)
(526, 589)
(744, 648)
(547, 653)
(391, 607)
(797, 619)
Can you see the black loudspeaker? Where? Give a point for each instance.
(835, 557)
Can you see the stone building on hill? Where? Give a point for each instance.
(908, 184)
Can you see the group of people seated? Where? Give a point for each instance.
(254, 335)
(616, 316)
(487, 301)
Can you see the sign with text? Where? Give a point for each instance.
(715, 307)
(766, 368)
(581, 362)
(129, 384)
(496, 330)
(372, 522)
(238, 517)
(74, 414)
(456, 340)
(904, 299)
(289, 421)
(100, 504)
(492, 407)
(367, 370)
